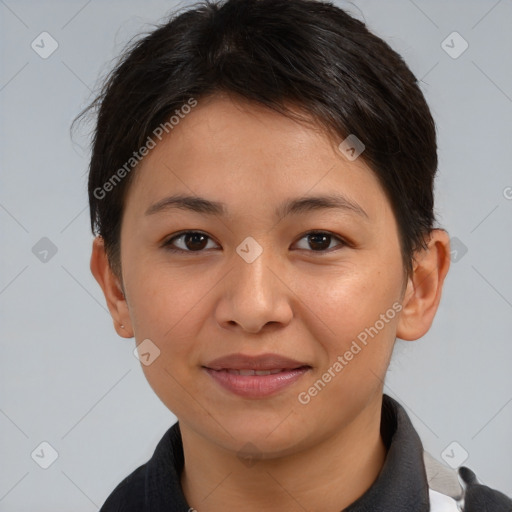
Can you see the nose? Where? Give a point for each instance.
(255, 295)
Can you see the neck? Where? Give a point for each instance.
(326, 477)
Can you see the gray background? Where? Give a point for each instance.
(67, 379)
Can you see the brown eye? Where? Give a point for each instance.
(195, 241)
(320, 241)
(189, 241)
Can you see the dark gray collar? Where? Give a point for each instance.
(402, 483)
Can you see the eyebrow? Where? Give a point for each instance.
(290, 207)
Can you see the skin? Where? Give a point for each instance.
(292, 300)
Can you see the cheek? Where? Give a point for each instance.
(166, 309)
(355, 315)
(164, 298)
(170, 306)
(344, 301)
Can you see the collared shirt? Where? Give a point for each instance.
(401, 486)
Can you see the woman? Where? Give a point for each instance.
(261, 187)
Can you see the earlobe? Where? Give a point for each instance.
(424, 287)
(112, 289)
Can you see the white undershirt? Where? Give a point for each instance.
(442, 503)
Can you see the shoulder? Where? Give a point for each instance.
(128, 496)
(459, 490)
(479, 497)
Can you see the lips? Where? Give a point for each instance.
(255, 377)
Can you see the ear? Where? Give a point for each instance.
(112, 289)
(424, 286)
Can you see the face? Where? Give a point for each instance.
(266, 270)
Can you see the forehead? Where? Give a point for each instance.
(240, 153)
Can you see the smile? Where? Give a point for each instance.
(256, 384)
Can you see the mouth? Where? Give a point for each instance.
(255, 376)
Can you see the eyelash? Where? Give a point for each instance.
(167, 244)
